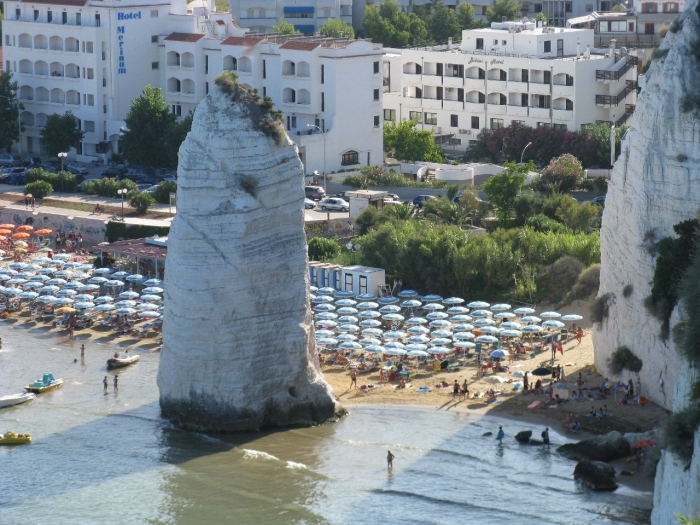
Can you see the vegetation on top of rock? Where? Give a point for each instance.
(260, 110)
(679, 431)
(623, 358)
(600, 309)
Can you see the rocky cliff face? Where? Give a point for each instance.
(655, 184)
(238, 342)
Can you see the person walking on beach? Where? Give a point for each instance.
(353, 379)
(389, 459)
(526, 383)
(579, 334)
(104, 385)
(116, 384)
(545, 438)
(455, 388)
(500, 435)
(82, 351)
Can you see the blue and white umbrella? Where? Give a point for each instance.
(347, 310)
(121, 274)
(150, 298)
(501, 307)
(98, 279)
(113, 283)
(72, 264)
(325, 333)
(453, 310)
(347, 319)
(41, 260)
(88, 287)
(553, 324)
(83, 297)
(390, 309)
(46, 299)
(63, 300)
(57, 262)
(462, 327)
(129, 295)
(419, 339)
(326, 323)
(439, 323)
(478, 304)
(326, 290)
(326, 341)
(511, 333)
(464, 344)
(370, 341)
(24, 275)
(433, 306)
(322, 299)
(324, 308)
(80, 276)
(481, 313)
(407, 293)
(486, 339)
(369, 314)
(394, 345)
(346, 337)
(326, 315)
(65, 293)
(152, 289)
(440, 341)
(511, 325)
(484, 322)
(371, 332)
(375, 349)
(135, 277)
(394, 334)
(504, 315)
(489, 329)
(438, 350)
(40, 278)
(367, 305)
(344, 302)
(499, 353)
(437, 315)
(432, 298)
(105, 307)
(348, 328)
(66, 274)
(530, 319)
(388, 300)
(550, 315)
(153, 282)
(453, 300)
(532, 329)
(350, 345)
(28, 295)
(460, 318)
(32, 284)
(149, 314)
(411, 303)
(62, 256)
(344, 294)
(393, 317)
(46, 271)
(463, 336)
(394, 351)
(418, 329)
(367, 297)
(16, 266)
(571, 317)
(84, 304)
(125, 311)
(417, 350)
(102, 271)
(16, 281)
(57, 281)
(125, 303)
(31, 267)
(73, 285)
(147, 306)
(371, 323)
(416, 320)
(441, 332)
(524, 311)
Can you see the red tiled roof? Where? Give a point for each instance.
(300, 45)
(75, 3)
(184, 37)
(138, 247)
(247, 41)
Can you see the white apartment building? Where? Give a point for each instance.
(513, 72)
(307, 16)
(93, 57)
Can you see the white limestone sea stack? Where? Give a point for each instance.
(238, 340)
(655, 185)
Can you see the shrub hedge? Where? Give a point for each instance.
(62, 181)
(120, 230)
(38, 189)
(108, 187)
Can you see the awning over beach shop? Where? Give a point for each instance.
(152, 250)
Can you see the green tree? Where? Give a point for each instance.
(141, 202)
(336, 28)
(599, 134)
(510, 9)
(9, 111)
(562, 174)
(175, 134)
(392, 27)
(321, 249)
(580, 218)
(474, 206)
(465, 18)
(61, 133)
(148, 121)
(502, 190)
(405, 142)
(38, 189)
(442, 24)
(541, 17)
(284, 28)
(163, 191)
(446, 212)
(399, 212)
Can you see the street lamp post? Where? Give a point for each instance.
(523, 153)
(122, 193)
(19, 125)
(62, 155)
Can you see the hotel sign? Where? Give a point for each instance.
(121, 34)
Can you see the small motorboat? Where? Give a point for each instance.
(119, 361)
(16, 399)
(10, 438)
(44, 384)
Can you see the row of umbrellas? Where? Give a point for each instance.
(21, 232)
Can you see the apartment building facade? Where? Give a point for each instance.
(307, 16)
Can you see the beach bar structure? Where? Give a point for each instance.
(325, 275)
(360, 200)
(358, 279)
(148, 254)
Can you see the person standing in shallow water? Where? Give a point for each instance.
(104, 385)
(545, 438)
(389, 459)
(116, 384)
(82, 351)
(500, 435)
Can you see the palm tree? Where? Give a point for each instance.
(399, 212)
(446, 212)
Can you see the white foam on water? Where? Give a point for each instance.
(257, 454)
(294, 465)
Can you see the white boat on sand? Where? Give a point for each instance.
(119, 361)
(16, 399)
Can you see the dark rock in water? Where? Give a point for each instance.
(595, 475)
(486, 434)
(523, 436)
(606, 448)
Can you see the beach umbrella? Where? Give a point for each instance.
(80, 276)
(486, 339)
(541, 371)
(43, 231)
(531, 329)
(105, 307)
(113, 283)
(411, 303)
(496, 379)
(83, 297)
(417, 353)
(348, 328)
(61, 256)
(147, 306)
(416, 347)
(433, 306)
(24, 274)
(64, 300)
(484, 322)
(369, 314)
(324, 308)
(511, 325)
(125, 311)
(57, 280)
(71, 264)
(371, 332)
(28, 295)
(371, 323)
(16, 281)
(65, 293)
(370, 341)
(46, 299)
(7, 226)
(436, 315)
(5, 233)
(63, 273)
(438, 350)
(500, 307)
(511, 333)
(120, 274)
(367, 305)
(346, 337)
(326, 323)
(453, 310)
(431, 298)
(395, 345)
(375, 349)
(41, 277)
(441, 333)
(550, 315)
(504, 315)
(530, 319)
(87, 287)
(46, 271)
(149, 314)
(322, 299)
(367, 297)
(407, 293)
(571, 317)
(15, 266)
(389, 309)
(478, 304)
(394, 351)
(393, 317)
(489, 329)
(418, 330)
(327, 290)
(415, 321)
(439, 323)
(97, 280)
(325, 333)
(157, 282)
(126, 303)
(129, 295)
(152, 289)
(325, 315)
(347, 310)
(20, 235)
(440, 341)
(388, 300)
(33, 284)
(481, 313)
(347, 319)
(84, 304)
(518, 373)
(133, 277)
(71, 285)
(453, 300)
(150, 298)
(82, 267)
(319, 340)
(524, 311)
(344, 293)
(350, 345)
(460, 318)
(463, 335)
(499, 353)
(553, 324)
(464, 344)
(344, 302)
(394, 334)
(56, 262)
(65, 310)
(420, 339)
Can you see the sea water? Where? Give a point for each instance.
(109, 458)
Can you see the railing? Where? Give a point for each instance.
(629, 111)
(612, 76)
(614, 100)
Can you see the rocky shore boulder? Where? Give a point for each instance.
(595, 475)
(523, 436)
(605, 448)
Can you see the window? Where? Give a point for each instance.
(618, 27)
(154, 39)
(496, 123)
(154, 65)
(89, 126)
(97, 20)
(523, 100)
(88, 47)
(538, 8)
(431, 119)
(560, 47)
(495, 41)
(415, 115)
(482, 98)
(36, 15)
(483, 10)
(389, 115)
(323, 73)
(349, 158)
(64, 20)
(78, 19)
(323, 101)
(206, 88)
(154, 13)
(18, 14)
(177, 110)
(480, 43)
(516, 123)
(560, 127)
(547, 77)
(569, 105)
(264, 91)
(454, 121)
(568, 7)
(49, 17)
(504, 43)
(475, 123)
(363, 284)
(544, 125)
(605, 5)
(206, 64)
(264, 69)
(376, 94)
(376, 121)
(294, 122)
(89, 100)
(376, 67)
(589, 7)
(649, 7)
(547, 46)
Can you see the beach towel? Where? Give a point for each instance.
(423, 389)
(534, 404)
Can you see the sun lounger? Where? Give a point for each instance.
(534, 404)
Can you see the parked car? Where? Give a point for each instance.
(76, 168)
(4, 174)
(143, 187)
(17, 177)
(31, 162)
(391, 197)
(134, 174)
(599, 201)
(113, 172)
(314, 192)
(309, 204)
(8, 160)
(420, 199)
(342, 195)
(334, 203)
(147, 179)
(51, 167)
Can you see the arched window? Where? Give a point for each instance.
(174, 85)
(173, 58)
(303, 69)
(187, 60)
(41, 68)
(288, 68)
(56, 43)
(230, 63)
(349, 158)
(289, 96)
(26, 67)
(245, 65)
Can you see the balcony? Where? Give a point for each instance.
(518, 111)
(517, 87)
(614, 76)
(539, 89)
(412, 78)
(497, 85)
(453, 105)
(539, 113)
(432, 103)
(494, 109)
(562, 91)
(457, 82)
(471, 84)
(614, 100)
(474, 107)
(563, 114)
(432, 80)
